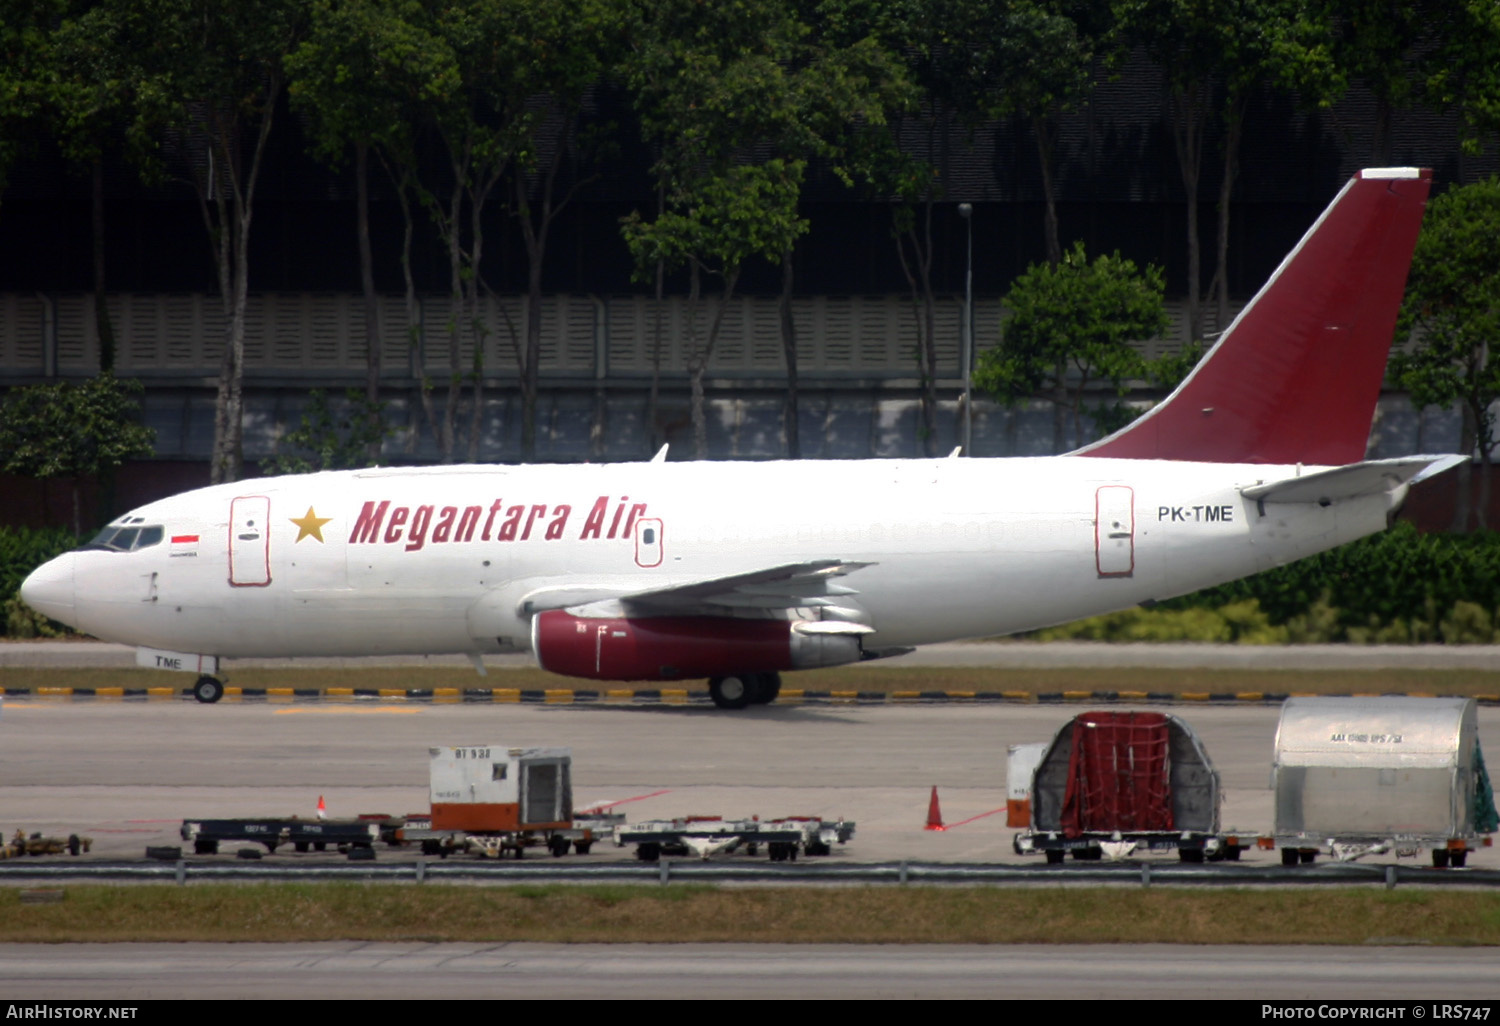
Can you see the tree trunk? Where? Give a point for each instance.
(371, 303)
(1232, 131)
(102, 323)
(1463, 504)
(789, 345)
(1187, 137)
(1044, 127)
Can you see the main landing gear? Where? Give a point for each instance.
(208, 690)
(737, 690)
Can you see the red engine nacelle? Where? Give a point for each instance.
(678, 647)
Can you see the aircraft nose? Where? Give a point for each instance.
(49, 589)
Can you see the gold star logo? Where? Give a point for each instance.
(310, 525)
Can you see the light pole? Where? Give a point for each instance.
(966, 211)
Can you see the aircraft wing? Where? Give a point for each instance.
(808, 584)
(789, 586)
(1368, 478)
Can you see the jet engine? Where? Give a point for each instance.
(673, 648)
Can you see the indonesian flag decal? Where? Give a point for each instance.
(184, 545)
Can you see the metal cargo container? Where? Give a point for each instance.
(1359, 776)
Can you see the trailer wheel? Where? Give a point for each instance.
(1232, 852)
(1308, 855)
(1456, 859)
(1289, 856)
(733, 691)
(1190, 854)
(1440, 858)
(558, 846)
(1054, 858)
(582, 847)
(300, 846)
(648, 852)
(74, 844)
(208, 690)
(205, 847)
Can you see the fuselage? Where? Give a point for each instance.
(445, 560)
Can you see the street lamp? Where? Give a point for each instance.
(966, 211)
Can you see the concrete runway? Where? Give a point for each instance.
(647, 972)
(127, 773)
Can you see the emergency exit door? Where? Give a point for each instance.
(250, 541)
(1114, 531)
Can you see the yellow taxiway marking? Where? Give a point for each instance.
(345, 710)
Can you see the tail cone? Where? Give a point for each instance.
(934, 813)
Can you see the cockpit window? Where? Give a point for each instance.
(116, 538)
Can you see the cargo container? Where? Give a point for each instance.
(1370, 775)
(1117, 783)
(494, 799)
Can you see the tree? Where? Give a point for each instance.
(1214, 57)
(74, 431)
(1070, 326)
(1466, 71)
(208, 77)
(569, 45)
(711, 83)
(363, 74)
(1451, 317)
(326, 439)
(25, 52)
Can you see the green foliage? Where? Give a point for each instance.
(324, 440)
(1466, 69)
(65, 430)
(1239, 622)
(1452, 308)
(365, 71)
(1401, 587)
(1071, 324)
(22, 550)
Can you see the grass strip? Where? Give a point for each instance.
(859, 678)
(700, 913)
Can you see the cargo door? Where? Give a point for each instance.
(250, 541)
(546, 793)
(1114, 531)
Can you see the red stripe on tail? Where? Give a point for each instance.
(1295, 378)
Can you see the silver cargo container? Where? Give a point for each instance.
(1357, 776)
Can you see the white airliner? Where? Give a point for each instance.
(737, 571)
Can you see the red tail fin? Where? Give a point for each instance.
(1295, 378)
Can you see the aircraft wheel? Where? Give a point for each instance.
(767, 687)
(734, 691)
(208, 690)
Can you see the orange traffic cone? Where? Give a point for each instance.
(934, 814)
(322, 809)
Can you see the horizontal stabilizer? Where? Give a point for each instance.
(1357, 479)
